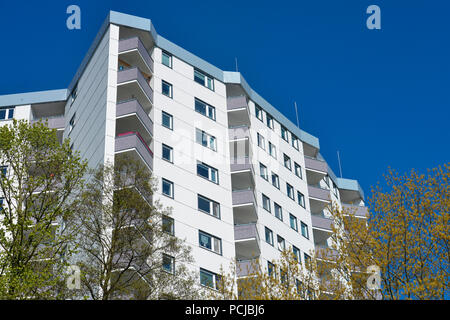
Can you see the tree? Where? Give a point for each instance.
(127, 247)
(39, 179)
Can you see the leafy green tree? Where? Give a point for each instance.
(38, 182)
(127, 249)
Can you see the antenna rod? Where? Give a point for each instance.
(235, 58)
(339, 160)
(296, 113)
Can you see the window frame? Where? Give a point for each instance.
(298, 170)
(172, 225)
(163, 113)
(278, 213)
(164, 180)
(264, 197)
(263, 168)
(205, 136)
(165, 146)
(208, 109)
(259, 111)
(170, 56)
(210, 172)
(163, 82)
(261, 141)
(268, 231)
(277, 179)
(287, 161)
(291, 219)
(290, 187)
(172, 263)
(205, 81)
(283, 242)
(302, 197)
(304, 226)
(213, 243)
(212, 205)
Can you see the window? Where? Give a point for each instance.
(327, 180)
(284, 134)
(269, 236)
(278, 211)
(270, 269)
(73, 94)
(287, 161)
(208, 206)
(301, 199)
(167, 120)
(167, 153)
(205, 139)
(209, 279)
(283, 276)
(272, 150)
(290, 191)
(210, 242)
(6, 113)
(305, 231)
(168, 264)
(72, 123)
(3, 170)
(1, 203)
(275, 180)
(166, 89)
(167, 188)
(263, 171)
(281, 243)
(295, 142)
(207, 172)
(261, 142)
(166, 59)
(307, 259)
(293, 222)
(203, 79)
(205, 109)
(269, 121)
(296, 252)
(297, 170)
(266, 203)
(258, 112)
(168, 225)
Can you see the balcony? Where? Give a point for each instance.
(246, 241)
(133, 144)
(133, 52)
(357, 211)
(240, 142)
(244, 206)
(246, 267)
(321, 228)
(57, 122)
(318, 199)
(242, 174)
(132, 117)
(315, 170)
(238, 113)
(131, 85)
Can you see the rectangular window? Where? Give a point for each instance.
(287, 162)
(167, 188)
(298, 170)
(168, 225)
(305, 231)
(261, 141)
(207, 172)
(301, 199)
(3, 170)
(284, 134)
(167, 153)
(203, 79)
(266, 203)
(278, 211)
(166, 59)
(6, 113)
(269, 121)
(205, 109)
(263, 171)
(296, 252)
(295, 143)
(208, 206)
(281, 243)
(167, 120)
(269, 236)
(272, 150)
(270, 269)
(166, 89)
(210, 242)
(209, 279)
(293, 222)
(72, 123)
(290, 191)
(258, 112)
(205, 139)
(307, 259)
(275, 180)
(168, 264)
(73, 94)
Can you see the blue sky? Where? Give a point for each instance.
(380, 97)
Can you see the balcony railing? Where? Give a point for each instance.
(136, 44)
(246, 231)
(133, 140)
(133, 106)
(314, 164)
(237, 102)
(241, 164)
(240, 132)
(246, 267)
(358, 211)
(241, 197)
(319, 193)
(53, 122)
(133, 74)
(321, 222)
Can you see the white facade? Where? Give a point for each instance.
(97, 114)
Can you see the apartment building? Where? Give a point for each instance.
(244, 182)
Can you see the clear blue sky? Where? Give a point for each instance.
(380, 97)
